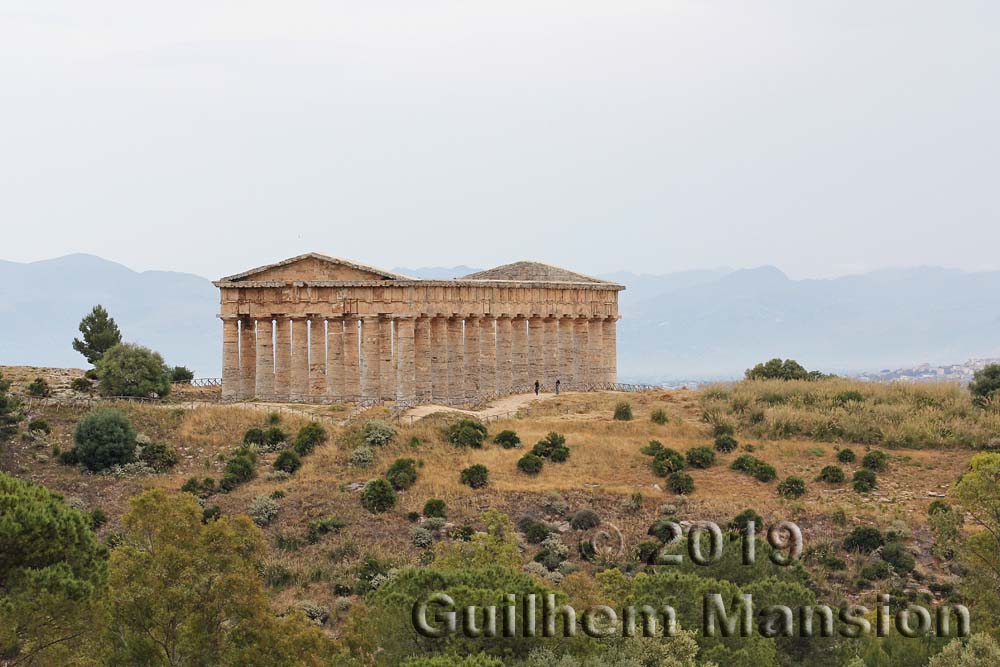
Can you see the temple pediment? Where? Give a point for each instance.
(314, 267)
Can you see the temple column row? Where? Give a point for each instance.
(450, 359)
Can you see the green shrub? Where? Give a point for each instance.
(585, 519)
(739, 523)
(39, 388)
(402, 474)
(849, 396)
(623, 411)
(263, 510)
(875, 571)
(82, 385)
(725, 444)
(362, 457)
(159, 456)
(199, 487)
(535, 531)
(667, 461)
(104, 438)
(530, 464)
(765, 472)
(876, 461)
(985, 383)
(378, 496)
(377, 433)
(239, 469)
(846, 455)
(211, 513)
(555, 504)
(792, 487)
(98, 518)
(288, 461)
(132, 370)
(831, 475)
(680, 483)
(653, 448)
(309, 437)
(435, 507)
(466, 433)
(39, 426)
(745, 463)
(421, 538)
(254, 437)
(274, 437)
(413, 517)
(864, 481)
(658, 416)
(552, 447)
(507, 439)
(324, 526)
(937, 507)
(700, 457)
(273, 418)
(476, 476)
(864, 539)
(901, 560)
(181, 375)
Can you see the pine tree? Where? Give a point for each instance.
(10, 411)
(100, 333)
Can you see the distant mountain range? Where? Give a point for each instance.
(685, 325)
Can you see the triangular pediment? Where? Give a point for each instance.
(314, 267)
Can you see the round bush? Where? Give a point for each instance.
(846, 456)
(274, 436)
(39, 426)
(466, 433)
(530, 464)
(876, 461)
(476, 476)
(507, 439)
(658, 416)
(725, 444)
(623, 411)
(792, 487)
(740, 521)
(421, 537)
(700, 457)
(132, 370)
(938, 507)
(309, 437)
(585, 519)
(434, 507)
(901, 560)
(662, 530)
(362, 457)
(263, 510)
(377, 433)
(666, 461)
(831, 475)
(39, 388)
(864, 481)
(745, 463)
(159, 456)
(378, 496)
(181, 374)
(254, 436)
(402, 474)
(764, 472)
(680, 483)
(559, 454)
(552, 447)
(864, 539)
(104, 438)
(288, 461)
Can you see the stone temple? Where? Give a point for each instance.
(315, 328)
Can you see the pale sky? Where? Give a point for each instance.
(213, 135)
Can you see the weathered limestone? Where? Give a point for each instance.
(422, 359)
(504, 362)
(248, 359)
(265, 360)
(230, 358)
(371, 386)
(439, 359)
(343, 331)
(282, 358)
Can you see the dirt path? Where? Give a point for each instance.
(498, 408)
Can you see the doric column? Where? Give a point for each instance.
(473, 364)
(265, 359)
(335, 358)
(550, 354)
(596, 347)
(422, 358)
(299, 389)
(406, 370)
(505, 364)
(610, 327)
(567, 354)
(581, 342)
(536, 351)
(352, 359)
(386, 360)
(230, 358)
(370, 387)
(282, 358)
(317, 358)
(456, 361)
(519, 354)
(487, 355)
(248, 358)
(439, 358)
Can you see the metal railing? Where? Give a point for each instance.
(201, 382)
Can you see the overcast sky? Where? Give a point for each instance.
(211, 136)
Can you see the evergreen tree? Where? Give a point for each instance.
(100, 334)
(10, 411)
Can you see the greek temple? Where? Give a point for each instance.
(315, 328)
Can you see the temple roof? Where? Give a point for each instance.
(533, 272)
(316, 266)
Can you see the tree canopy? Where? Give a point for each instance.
(100, 334)
(133, 370)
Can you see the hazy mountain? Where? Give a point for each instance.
(41, 305)
(690, 324)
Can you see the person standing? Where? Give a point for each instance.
(537, 387)
(557, 386)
